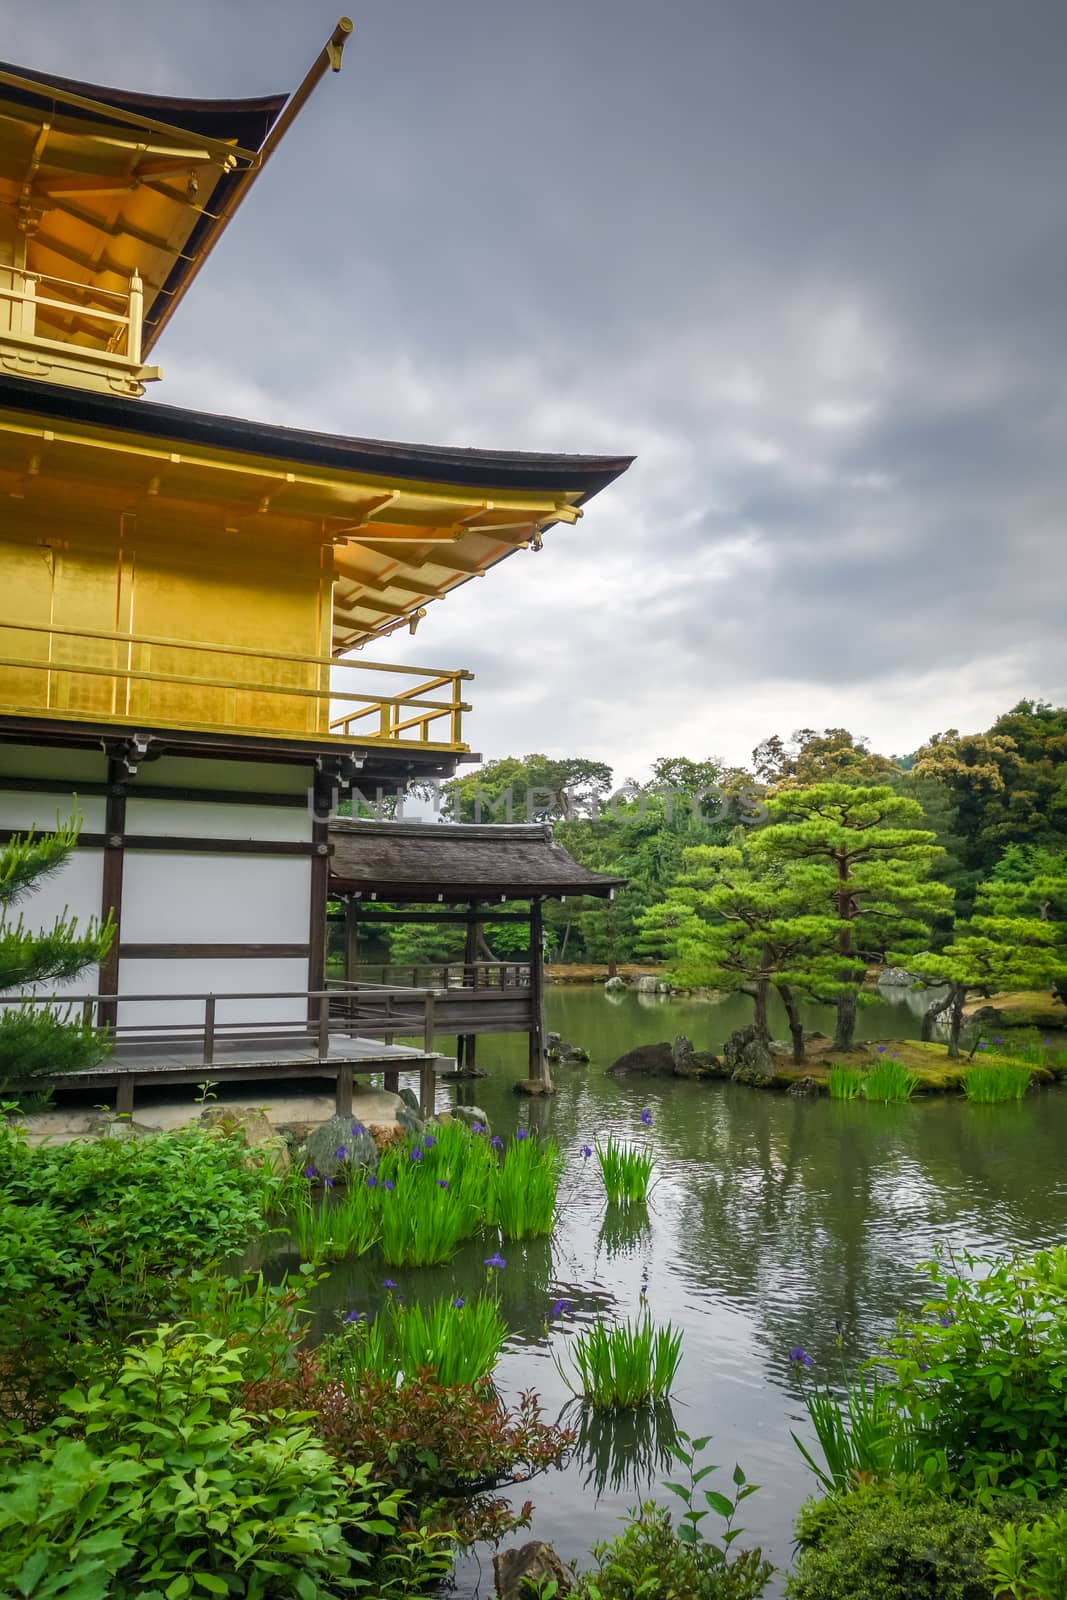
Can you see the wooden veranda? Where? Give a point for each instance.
(392, 873)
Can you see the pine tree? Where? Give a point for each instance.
(38, 1040)
(1009, 943)
(863, 862)
(742, 925)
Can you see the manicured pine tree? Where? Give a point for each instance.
(38, 1040)
(1007, 944)
(741, 925)
(863, 862)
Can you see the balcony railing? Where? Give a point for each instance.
(80, 333)
(92, 674)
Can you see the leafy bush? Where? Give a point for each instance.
(891, 1541)
(448, 1446)
(1028, 1560)
(162, 1484)
(99, 1238)
(649, 1561)
(982, 1374)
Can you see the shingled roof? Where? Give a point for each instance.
(426, 861)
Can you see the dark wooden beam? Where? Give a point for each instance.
(212, 952)
(318, 849)
(320, 886)
(369, 914)
(111, 888)
(539, 1068)
(149, 791)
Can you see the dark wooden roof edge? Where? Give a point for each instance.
(247, 121)
(585, 475)
(421, 862)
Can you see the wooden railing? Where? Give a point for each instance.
(31, 296)
(55, 670)
(448, 975)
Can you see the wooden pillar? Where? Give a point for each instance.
(343, 1094)
(539, 1068)
(351, 938)
(471, 979)
(320, 888)
(111, 892)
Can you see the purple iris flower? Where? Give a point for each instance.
(458, 1303)
(496, 1142)
(416, 1154)
(310, 1172)
(881, 1049)
(495, 1260)
(477, 1127)
(522, 1133)
(585, 1151)
(443, 1183)
(997, 1039)
(983, 1045)
(328, 1182)
(947, 1320)
(372, 1182)
(799, 1357)
(560, 1309)
(357, 1129)
(387, 1283)
(429, 1142)
(355, 1316)
(386, 1184)
(646, 1117)
(341, 1153)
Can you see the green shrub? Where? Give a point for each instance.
(982, 1374)
(650, 1560)
(891, 1541)
(162, 1486)
(1028, 1560)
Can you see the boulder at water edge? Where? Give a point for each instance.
(473, 1116)
(690, 1063)
(645, 1061)
(517, 1571)
(614, 985)
(334, 1135)
(568, 1055)
(748, 1059)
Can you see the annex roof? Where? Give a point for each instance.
(407, 523)
(425, 861)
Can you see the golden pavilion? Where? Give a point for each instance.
(183, 594)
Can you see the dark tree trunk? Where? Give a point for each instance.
(931, 1014)
(955, 1021)
(613, 967)
(759, 996)
(845, 1031)
(796, 1027)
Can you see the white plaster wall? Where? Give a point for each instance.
(75, 766)
(244, 777)
(179, 897)
(197, 977)
(229, 819)
(41, 811)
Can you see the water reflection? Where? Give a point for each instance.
(624, 1231)
(621, 1452)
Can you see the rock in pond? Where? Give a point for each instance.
(691, 1063)
(326, 1142)
(614, 985)
(557, 1049)
(748, 1059)
(473, 1116)
(645, 1061)
(518, 1571)
(805, 1088)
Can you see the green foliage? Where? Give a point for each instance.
(99, 1237)
(448, 1447)
(889, 1080)
(982, 1374)
(335, 1228)
(891, 1541)
(162, 1485)
(449, 1154)
(456, 1341)
(38, 1041)
(522, 1188)
(654, 1559)
(999, 1081)
(626, 1170)
(422, 1221)
(1028, 1560)
(865, 861)
(632, 1364)
(845, 1083)
(861, 1437)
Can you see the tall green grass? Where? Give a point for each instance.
(632, 1364)
(626, 1170)
(999, 1080)
(422, 1219)
(845, 1083)
(335, 1227)
(862, 1436)
(888, 1081)
(522, 1189)
(448, 1154)
(458, 1341)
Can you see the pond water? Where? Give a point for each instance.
(772, 1220)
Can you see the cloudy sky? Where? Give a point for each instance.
(807, 259)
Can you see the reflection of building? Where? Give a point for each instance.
(182, 591)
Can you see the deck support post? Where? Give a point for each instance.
(539, 1068)
(124, 1095)
(428, 1089)
(343, 1101)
